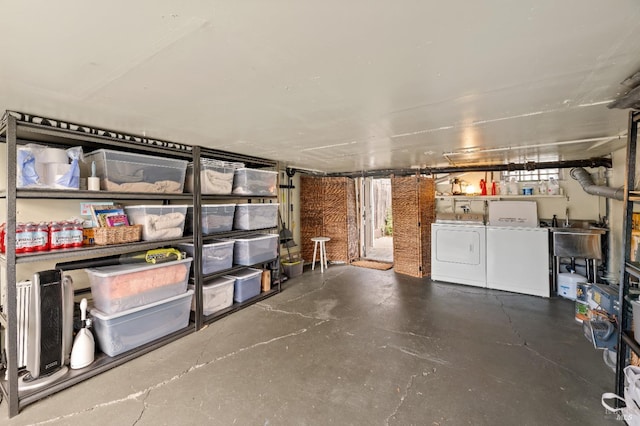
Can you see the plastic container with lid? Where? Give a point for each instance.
(254, 216)
(217, 295)
(124, 331)
(214, 217)
(255, 182)
(217, 255)
(254, 249)
(119, 288)
(247, 283)
(130, 172)
(158, 222)
(216, 176)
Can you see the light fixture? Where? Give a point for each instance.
(470, 190)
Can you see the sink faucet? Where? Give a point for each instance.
(566, 219)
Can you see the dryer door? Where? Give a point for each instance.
(458, 246)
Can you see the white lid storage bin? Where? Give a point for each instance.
(121, 332)
(215, 218)
(255, 216)
(119, 288)
(129, 172)
(216, 176)
(247, 284)
(158, 222)
(255, 249)
(217, 295)
(216, 256)
(255, 182)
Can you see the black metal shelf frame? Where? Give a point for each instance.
(101, 364)
(17, 128)
(238, 306)
(197, 277)
(628, 268)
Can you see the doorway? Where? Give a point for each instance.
(376, 219)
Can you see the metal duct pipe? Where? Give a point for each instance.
(593, 162)
(584, 179)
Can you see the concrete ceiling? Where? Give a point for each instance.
(333, 85)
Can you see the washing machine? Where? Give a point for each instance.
(458, 253)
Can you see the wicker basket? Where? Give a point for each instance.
(117, 235)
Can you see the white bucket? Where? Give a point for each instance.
(568, 284)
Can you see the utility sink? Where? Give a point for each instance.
(580, 240)
(579, 230)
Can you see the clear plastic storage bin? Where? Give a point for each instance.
(124, 331)
(158, 222)
(255, 216)
(247, 284)
(255, 249)
(216, 176)
(215, 218)
(217, 295)
(118, 288)
(216, 256)
(129, 172)
(255, 182)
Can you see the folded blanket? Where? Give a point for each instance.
(162, 227)
(162, 186)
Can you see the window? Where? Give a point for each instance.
(532, 175)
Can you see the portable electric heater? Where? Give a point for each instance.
(50, 329)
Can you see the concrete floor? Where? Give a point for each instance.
(361, 347)
(382, 250)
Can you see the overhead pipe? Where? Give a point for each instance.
(530, 165)
(584, 179)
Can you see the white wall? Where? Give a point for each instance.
(582, 206)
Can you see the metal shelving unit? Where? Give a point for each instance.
(197, 277)
(629, 269)
(17, 128)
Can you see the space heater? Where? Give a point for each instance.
(49, 328)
